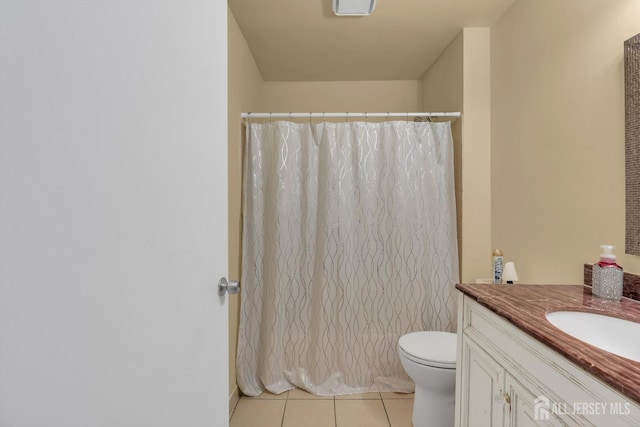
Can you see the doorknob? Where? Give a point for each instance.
(232, 286)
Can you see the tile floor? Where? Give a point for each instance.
(297, 408)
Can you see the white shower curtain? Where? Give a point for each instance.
(349, 242)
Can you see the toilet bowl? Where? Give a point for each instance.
(429, 358)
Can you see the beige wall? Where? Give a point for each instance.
(356, 96)
(557, 150)
(442, 91)
(460, 81)
(476, 155)
(442, 83)
(245, 94)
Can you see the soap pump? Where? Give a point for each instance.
(607, 276)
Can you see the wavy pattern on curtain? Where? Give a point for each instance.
(349, 242)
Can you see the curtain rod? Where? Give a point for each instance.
(342, 115)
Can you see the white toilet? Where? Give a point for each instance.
(429, 358)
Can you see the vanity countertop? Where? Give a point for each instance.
(525, 306)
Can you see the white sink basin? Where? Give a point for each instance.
(617, 336)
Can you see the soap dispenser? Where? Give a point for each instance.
(607, 275)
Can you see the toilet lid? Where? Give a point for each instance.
(433, 348)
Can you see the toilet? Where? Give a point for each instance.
(429, 358)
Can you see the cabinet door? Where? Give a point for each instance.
(113, 213)
(528, 409)
(482, 402)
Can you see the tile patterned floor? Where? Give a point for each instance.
(297, 408)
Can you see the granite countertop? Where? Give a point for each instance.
(525, 306)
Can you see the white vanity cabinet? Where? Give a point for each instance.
(507, 378)
(484, 385)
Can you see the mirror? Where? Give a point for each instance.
(632, 144)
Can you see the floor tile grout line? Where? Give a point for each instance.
(385, 412)
(285, 410)
(235, 407)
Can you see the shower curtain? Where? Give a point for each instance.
(349, 242)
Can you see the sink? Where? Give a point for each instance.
(617, 336)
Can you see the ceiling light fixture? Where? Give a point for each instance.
(353, 7)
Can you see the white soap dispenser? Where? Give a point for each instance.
(607, 276)
(509, 275)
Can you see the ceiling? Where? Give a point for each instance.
(302, 40)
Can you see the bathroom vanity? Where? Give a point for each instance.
(516, 369)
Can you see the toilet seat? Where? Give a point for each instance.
(430, 348)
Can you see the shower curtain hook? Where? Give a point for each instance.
(388, 115)
(290, 116)
(270, 117)
(324, 119)
(310, 118)
(366, 117)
